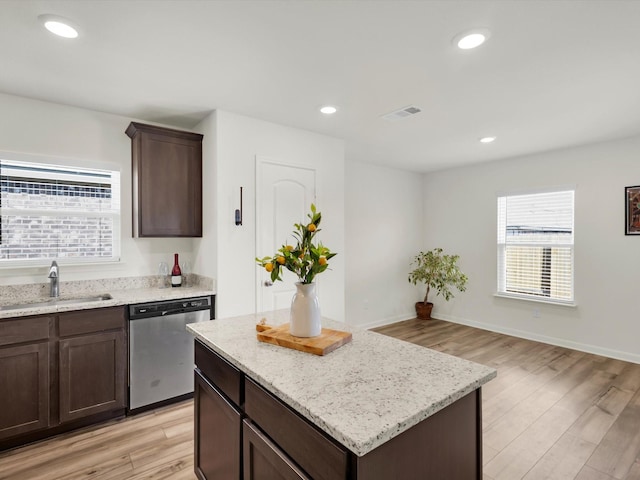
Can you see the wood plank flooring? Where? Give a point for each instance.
(154, 445)
(552, 413)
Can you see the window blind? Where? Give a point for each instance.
(535, 245)
(56, 211)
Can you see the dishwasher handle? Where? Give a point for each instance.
(175, 311)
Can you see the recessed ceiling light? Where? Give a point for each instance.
(328, 109)
(471, 38)
(59, 26)
(487, 139)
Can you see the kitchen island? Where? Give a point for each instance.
(376, 408)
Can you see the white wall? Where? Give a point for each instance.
(206, 248)
(384, 218)
(460, 213)
(239, 140)
(33, 127)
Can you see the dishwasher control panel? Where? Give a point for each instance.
(169, 307)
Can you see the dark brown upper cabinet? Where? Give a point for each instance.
(166, 181)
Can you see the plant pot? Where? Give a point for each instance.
(305, 312)
(423, 310)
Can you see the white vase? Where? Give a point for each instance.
(305, 312)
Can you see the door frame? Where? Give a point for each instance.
(260, 161)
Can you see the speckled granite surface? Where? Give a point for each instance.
(124, 291)
(362, 394)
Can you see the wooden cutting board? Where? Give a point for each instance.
(326, 342)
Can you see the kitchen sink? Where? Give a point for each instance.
(57, 301)
(97, 298)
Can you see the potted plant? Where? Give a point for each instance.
(438, 271)
(306, 260)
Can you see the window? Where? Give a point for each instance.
(535, 246)
(58, 212)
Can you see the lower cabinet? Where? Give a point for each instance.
(24, 376)
(217, 433)
(59, 372)
(321, 457)
(263, 460)
(244, 432)
(100, 357)
(92, 362)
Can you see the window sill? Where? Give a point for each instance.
(38, 265)
(527, 298)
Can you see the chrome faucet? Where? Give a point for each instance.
(54, 277)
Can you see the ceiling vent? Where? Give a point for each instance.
(402, 113)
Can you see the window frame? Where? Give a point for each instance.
(66, 163)
(501, 249)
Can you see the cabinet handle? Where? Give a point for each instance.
(268, 283)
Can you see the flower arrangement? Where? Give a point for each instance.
(305, 259)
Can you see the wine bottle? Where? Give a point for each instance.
(176, 274)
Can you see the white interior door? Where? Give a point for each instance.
(284, 194)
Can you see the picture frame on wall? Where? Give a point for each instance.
(632, 210)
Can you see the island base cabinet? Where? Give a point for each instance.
(316, 454)
(263, 460)
(262, 438)
(447, 445)
(218, 430)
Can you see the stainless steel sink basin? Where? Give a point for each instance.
(57, 301)
(97, 298)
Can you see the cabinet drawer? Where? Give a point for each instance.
(22, 330)
(220, 372)
(91, 321)
(320, 456)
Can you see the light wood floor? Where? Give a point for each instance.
(153, 445)
(552, 413)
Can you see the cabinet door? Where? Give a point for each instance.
(218, 427)
(92, 374)
(263, 460)
(318, 455)
(24, 397)
(167, 181)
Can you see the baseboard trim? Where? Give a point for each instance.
(560, 342)
(387, 321)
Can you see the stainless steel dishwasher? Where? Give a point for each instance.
(161, 350)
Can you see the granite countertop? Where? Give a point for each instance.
(119, 297)
(362, 394)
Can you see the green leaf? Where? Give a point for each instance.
(438, 271)
(303, 259)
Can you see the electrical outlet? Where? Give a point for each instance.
(536, 313)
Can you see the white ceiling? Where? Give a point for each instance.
(554, 73)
